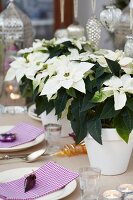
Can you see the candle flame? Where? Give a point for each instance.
(14, 96)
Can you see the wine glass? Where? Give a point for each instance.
(75, 30)
(93, 27)
(62, 32)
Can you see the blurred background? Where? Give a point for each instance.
(45, 16)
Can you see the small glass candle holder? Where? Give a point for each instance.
(89, 178)
(129, 197)
(53, 132)
(125, 189)
(112, 194)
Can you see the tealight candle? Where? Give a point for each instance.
(129, 197)
(125, 188)
(112, 195)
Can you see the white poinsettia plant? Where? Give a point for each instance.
(93, 87)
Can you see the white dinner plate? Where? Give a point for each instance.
(32, 114)
(38, 140)
(14, 174)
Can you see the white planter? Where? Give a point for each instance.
(52, 118)
(113, 156)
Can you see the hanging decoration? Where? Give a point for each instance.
(75, 30)
(93, 27)
(110, 17)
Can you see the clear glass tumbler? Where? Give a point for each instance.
(53, 133)
(89, 178)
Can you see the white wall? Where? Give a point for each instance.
(85, 13)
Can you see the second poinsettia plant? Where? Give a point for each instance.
(94, 88)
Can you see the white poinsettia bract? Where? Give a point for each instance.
(68, 74)
(119, 87)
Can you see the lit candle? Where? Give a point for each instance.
(125, 188)
(14, 96)
(129, 197)
(9, 88)
(112, 195)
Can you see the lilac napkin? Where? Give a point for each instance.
(24, 133)
(49, 178)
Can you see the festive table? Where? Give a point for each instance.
(73, 163)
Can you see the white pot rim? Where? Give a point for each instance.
(109, 134)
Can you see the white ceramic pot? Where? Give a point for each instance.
(113, 156)
(52, 118)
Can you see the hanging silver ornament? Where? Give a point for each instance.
(110, 17)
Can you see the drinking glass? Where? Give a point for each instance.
(89, 178)
(53, 133)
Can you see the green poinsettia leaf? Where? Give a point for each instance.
(99, 71)
(114, 67)
(26, 87)
(59, 50)
(87, 104)
(127, 115)
(35, 94)
(42, 105)
(61, 101)
(124, 124)
(68, 44)
(75, 108)
(108, 111)
(101, 79)
(78, 120)
(89, 84)
(80, 129)
(129, 103)
(94, 129)
(71, 92)
(101, 96)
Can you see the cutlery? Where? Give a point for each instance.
(26, 157)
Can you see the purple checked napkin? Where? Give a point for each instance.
(24, 133)
(49, 178)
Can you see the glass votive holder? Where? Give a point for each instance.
(53, 133)
(125, 189)
(112, 194)
(89, 178)
(129, 197)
